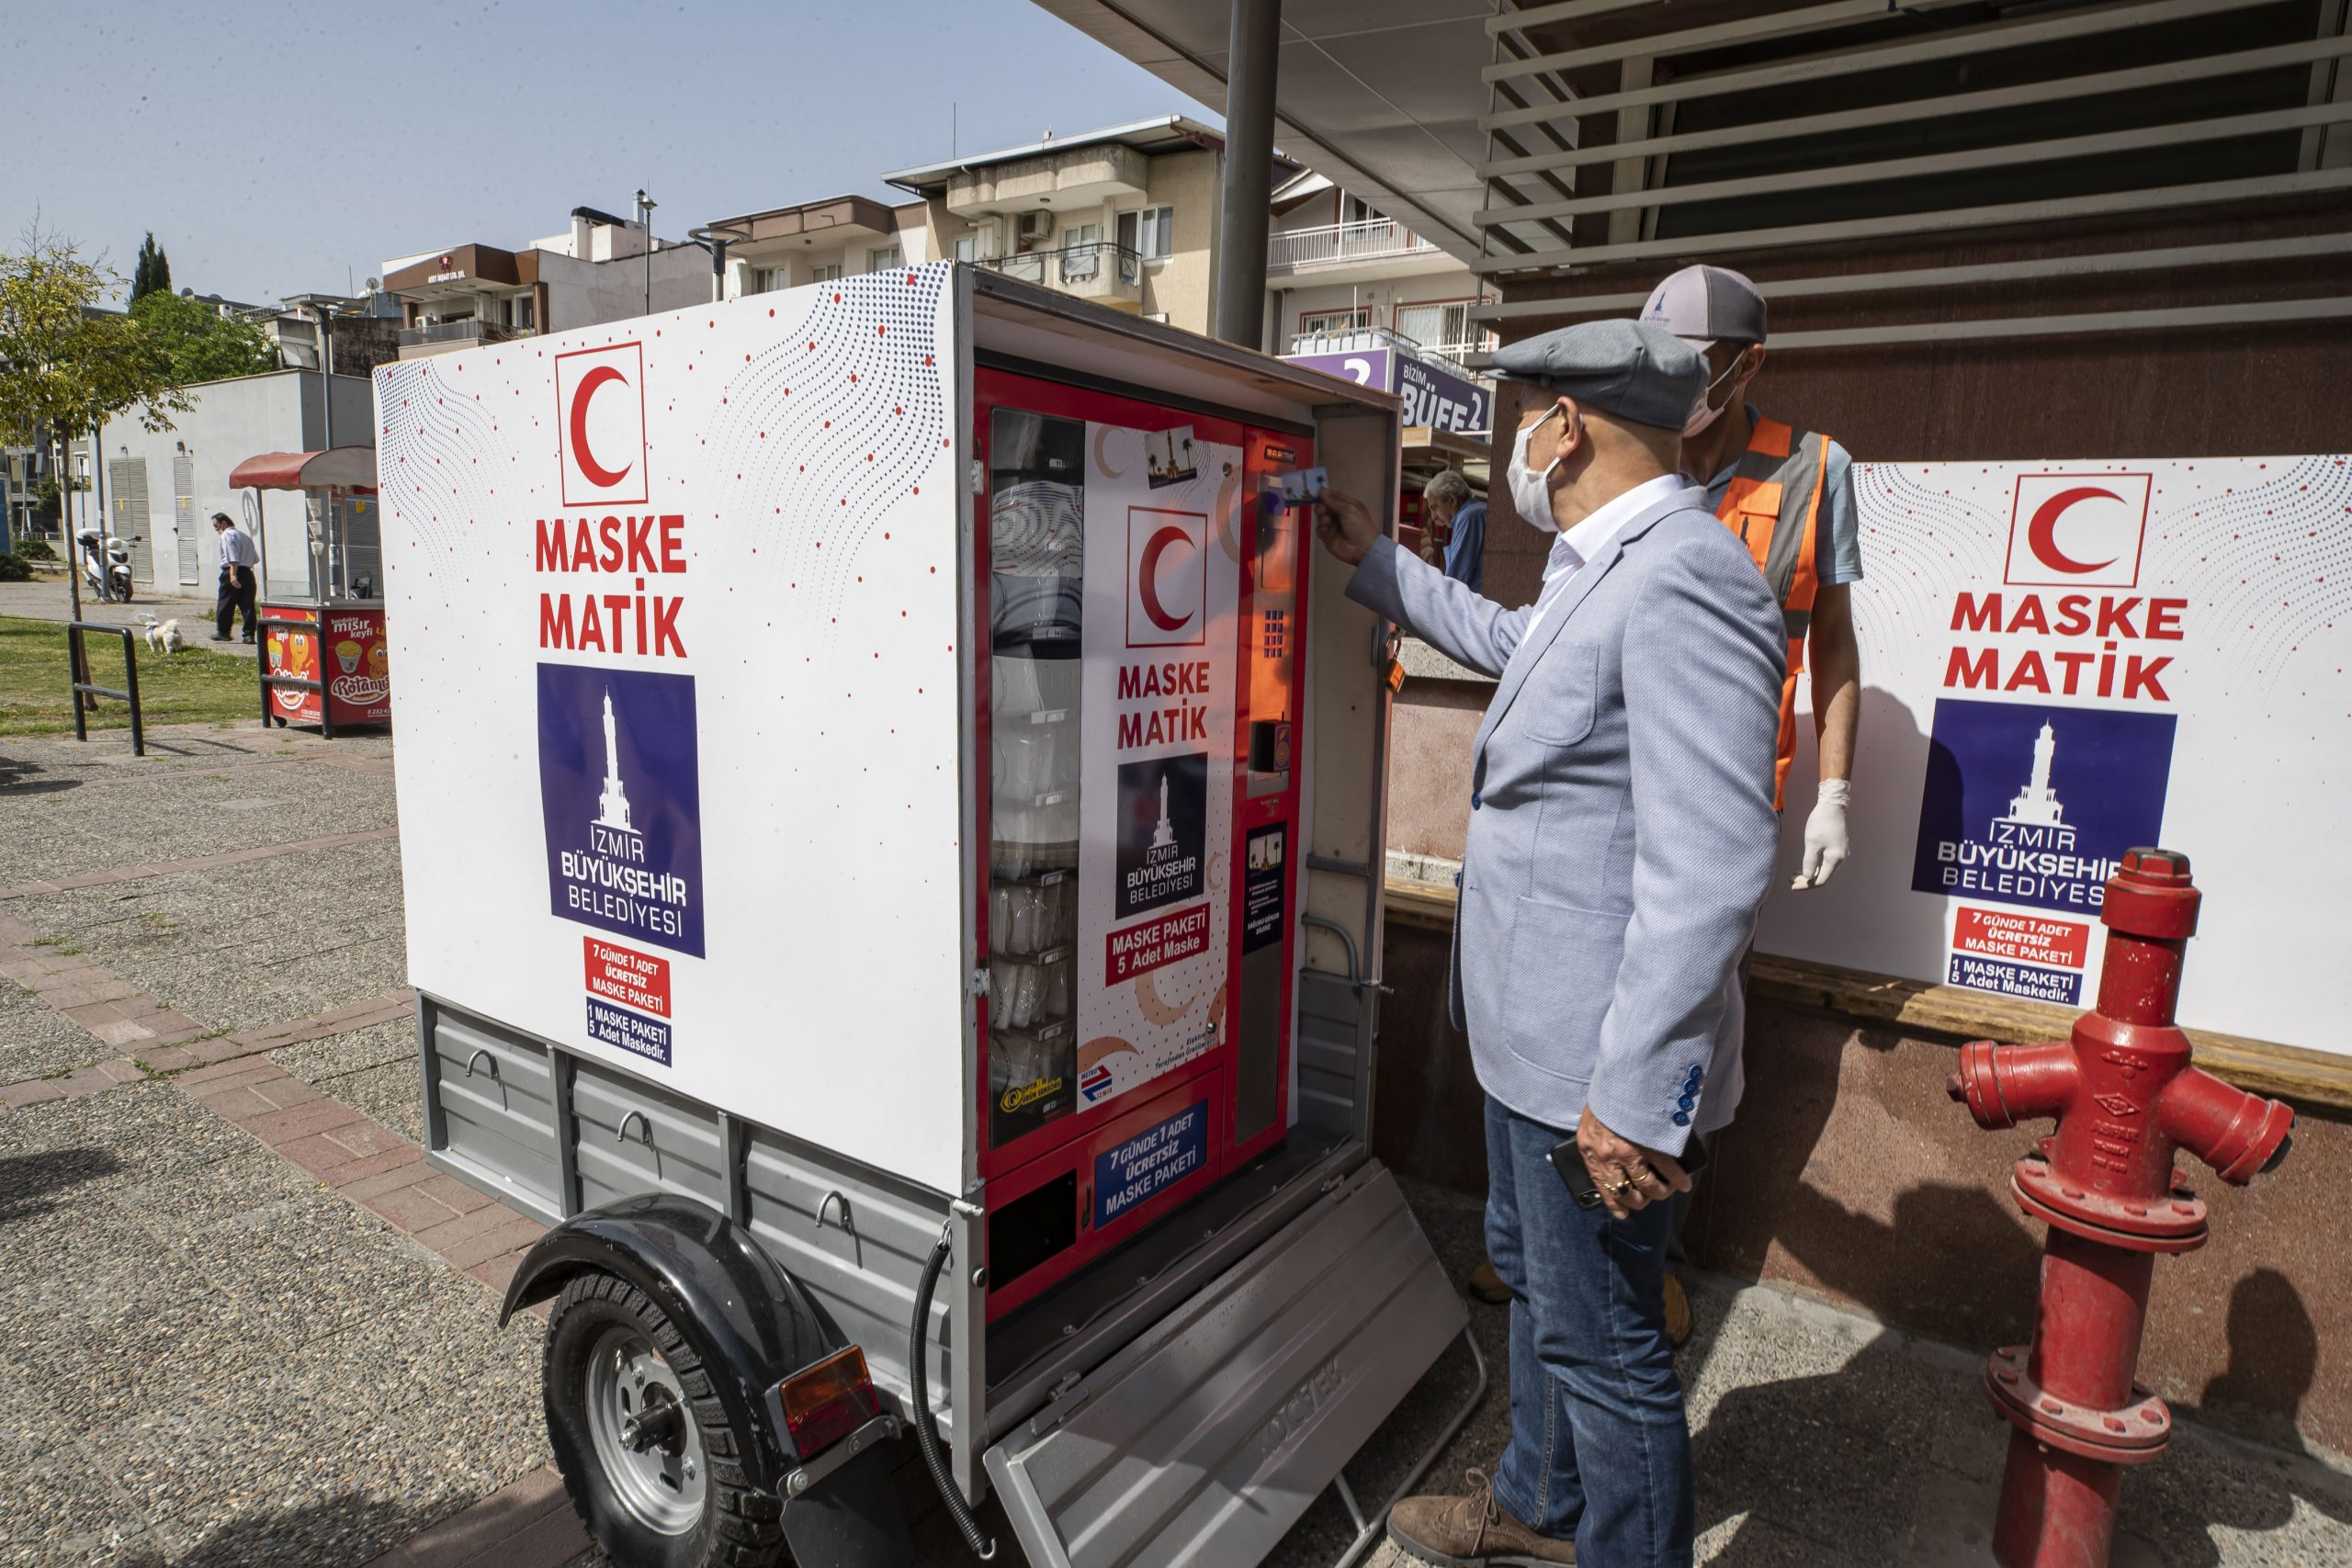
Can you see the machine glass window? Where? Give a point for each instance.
(1037, 597)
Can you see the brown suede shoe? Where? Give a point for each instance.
(1678, 1311)
(1472, 1531)
(1487, 1286)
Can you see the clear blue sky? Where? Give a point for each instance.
(276, 148)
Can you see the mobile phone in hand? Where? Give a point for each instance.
(1568, 1160)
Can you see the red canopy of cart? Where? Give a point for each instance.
(337, 467)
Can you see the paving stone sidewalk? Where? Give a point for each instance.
(247, 1325)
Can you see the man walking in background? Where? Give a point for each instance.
(239, 585)
(1448, 500)
(1621, 838)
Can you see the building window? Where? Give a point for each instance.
(524, 306)
(882, 258)
(1443, 326)
(968, 248)
(824, 274)
(1356, 209)
(1148, 231)
(1315, 322)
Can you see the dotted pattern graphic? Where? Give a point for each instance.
(838, 420)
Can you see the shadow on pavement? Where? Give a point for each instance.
(29, 1183)
(346, 1531)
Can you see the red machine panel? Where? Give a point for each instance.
(1140, 578)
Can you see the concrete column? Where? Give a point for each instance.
(1250, 72)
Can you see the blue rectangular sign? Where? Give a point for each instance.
(621, 791)
(1130, 1172)
(2033, 805)
(2005, 978)
(630, 1031)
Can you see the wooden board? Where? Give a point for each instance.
(2308, 1078)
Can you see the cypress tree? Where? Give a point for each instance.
(152, 271)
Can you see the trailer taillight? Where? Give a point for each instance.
(826, 1402)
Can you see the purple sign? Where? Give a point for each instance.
(1434, 397)
(1440, 399)
(1365, 367)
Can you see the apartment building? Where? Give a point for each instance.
(598, 270)
(1129, 216)
(817, 241)
(1342, 274)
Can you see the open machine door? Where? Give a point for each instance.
(1207, 1438)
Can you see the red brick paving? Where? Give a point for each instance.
(199, 862)
(526, 1525)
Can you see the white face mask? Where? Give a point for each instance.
(1704, 413)
(1530, 493)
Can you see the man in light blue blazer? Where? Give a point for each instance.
(1621, 838)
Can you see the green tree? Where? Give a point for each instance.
(67, 364)
(200, 343)
(152, 271)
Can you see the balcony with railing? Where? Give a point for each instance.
(1333, 246)
(446, 337)
(1090, 270)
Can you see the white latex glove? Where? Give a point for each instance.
(1825, 845)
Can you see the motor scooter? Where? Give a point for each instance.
(105, 566)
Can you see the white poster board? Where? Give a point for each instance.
(2061, 661)
(1155, 862)
(672, 608)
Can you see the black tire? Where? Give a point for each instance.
(735, 1525)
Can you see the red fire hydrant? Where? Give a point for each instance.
(2125, 1097)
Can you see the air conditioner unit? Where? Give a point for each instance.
(1037, 225)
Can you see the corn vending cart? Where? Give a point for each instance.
(324, 657)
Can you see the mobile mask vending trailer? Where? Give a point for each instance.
(889, 811)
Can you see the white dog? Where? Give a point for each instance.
(161, 638)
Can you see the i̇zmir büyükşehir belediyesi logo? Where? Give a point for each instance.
(2033, 805)
(620, 792)
(1163, 826)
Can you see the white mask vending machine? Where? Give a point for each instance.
(1141, 585)
(890, 803)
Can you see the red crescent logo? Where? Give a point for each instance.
(2042, 533)
(1147, 579)
(598, 475)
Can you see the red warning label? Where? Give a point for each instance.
(623, 975)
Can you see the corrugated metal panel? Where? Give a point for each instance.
(126, 481)
(861, 1266)
(184, 516)
(1330, 1057)
(1207, 1438)
(495, 1095)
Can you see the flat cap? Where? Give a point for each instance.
(1631, 369)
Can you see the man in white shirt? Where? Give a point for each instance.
(239, 586)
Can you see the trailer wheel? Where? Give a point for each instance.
(648, 1450)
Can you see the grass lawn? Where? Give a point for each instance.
(191, 686)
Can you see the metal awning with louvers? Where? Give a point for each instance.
(1633, 135)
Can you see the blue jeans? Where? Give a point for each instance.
(1600, 1450)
